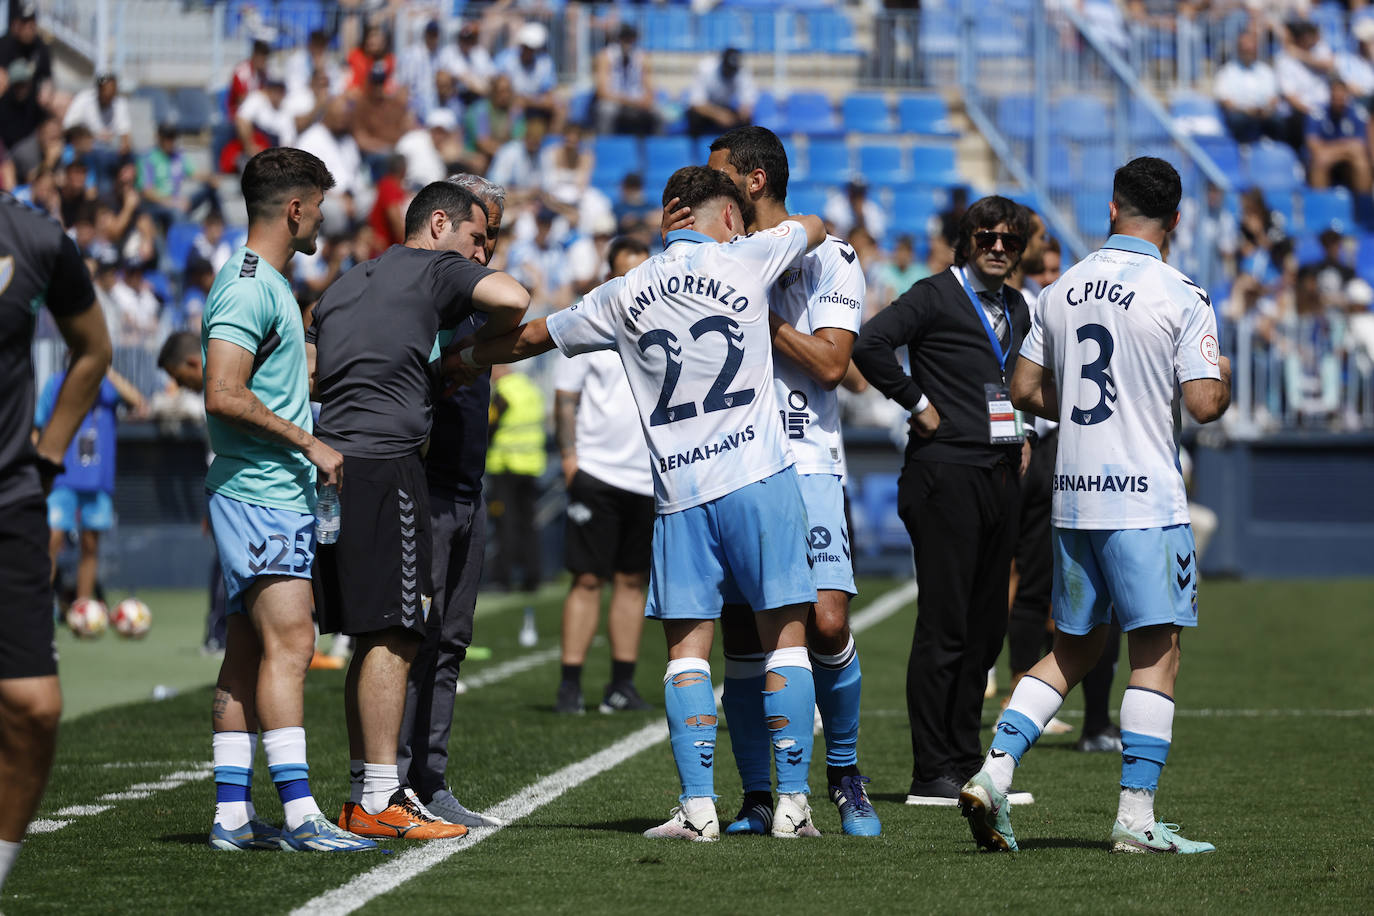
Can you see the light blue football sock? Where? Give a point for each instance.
(1147, 720)
(789, 714)
(690, 705)
(839, 684)
(742, 702)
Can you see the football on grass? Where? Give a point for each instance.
(87, 617)
(131, 618)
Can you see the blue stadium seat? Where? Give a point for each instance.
(1096, 167)
(1364, 257)
(1308, 248)
(934, 166)
(164, 112)
(664, 156)
(616, 156)
(1144, 126)
(882, 164)
(1090, 213)
(806, 198)
(1081, 117)
(828, 160)
(768, 113)
(879, 499)
(675, 105)
(867, 113)
(1327, 209)
(1016, 116)
(1224, 152)
(179, 240)
(1197, 115)
(667, 29)
(721, 29)
(912, 208)
(235, 236)
(195, 111)
(1280, 204)
(924, 114)
(1063, 176)
(830, 31)
(1273, 167)
(580, 107)
(811, 113)
(938, 36)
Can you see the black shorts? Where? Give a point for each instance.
(609, 530)
(26, 625)
(377, 575)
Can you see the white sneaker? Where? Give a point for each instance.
(1057, 726)
(792, 817)
(695, 820)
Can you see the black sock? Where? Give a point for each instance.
(833, 775)
(622, 672)
(572, 674)
(762, 799)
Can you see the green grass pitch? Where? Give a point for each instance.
(1271, 761)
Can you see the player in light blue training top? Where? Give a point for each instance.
(691, 327)
(262, 497)
(1113, 343)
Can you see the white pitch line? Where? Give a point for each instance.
(44, 825)
(511, 668)
(1198, 713)
(371, 884)
(135, 792)
(82, 810)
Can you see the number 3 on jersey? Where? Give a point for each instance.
(1097, 373)
(718, 398)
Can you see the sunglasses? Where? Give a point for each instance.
(1011, 242)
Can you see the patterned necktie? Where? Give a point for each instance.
(992, 304)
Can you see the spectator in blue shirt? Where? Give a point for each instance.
(1338, 143)
(82, 497)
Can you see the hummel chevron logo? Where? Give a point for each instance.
(1183, 562)
(258, 562)
(847, 255)
(1183, 581)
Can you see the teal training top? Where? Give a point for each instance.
(251, 305)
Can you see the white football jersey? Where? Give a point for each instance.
(691, 326)
(824, 288)
(610, 441)
(1120, 331)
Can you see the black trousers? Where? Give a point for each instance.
(460, 541)
(510, 511)
(1027, 638)
(963, 523)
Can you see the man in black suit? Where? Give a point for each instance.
(959, 493)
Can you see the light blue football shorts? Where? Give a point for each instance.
(259, 541)
(1149, 574)
(828, 537)
(746, 547)
(85, 510)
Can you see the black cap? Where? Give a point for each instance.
(167, 129)
(432, 27)
(23, 12)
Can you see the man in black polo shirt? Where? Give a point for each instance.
(959, 493)
(39, 266)
(454, 463)
(373, 342)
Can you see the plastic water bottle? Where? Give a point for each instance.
(327, 514)
(529, 635)
(164, 692)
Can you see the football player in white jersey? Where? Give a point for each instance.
(691, 327)
(816, 309)
(1113, 344)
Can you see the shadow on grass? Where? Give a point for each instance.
(635, 826)
(185, 839)
(1059, 843)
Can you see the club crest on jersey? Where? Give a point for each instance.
(1210, 351)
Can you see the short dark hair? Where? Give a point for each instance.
(1147, 188)
(273, 175)
(624, 244)
(753, 147)
(1052, 244)
(694, 185)
(177, 348)
(986, 213)
(456, 202)
(261, 48)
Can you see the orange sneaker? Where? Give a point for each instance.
(404, 818)
(346, 814)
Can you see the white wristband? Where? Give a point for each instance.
(921, 405)
(465, 357)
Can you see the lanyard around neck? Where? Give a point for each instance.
(983, 317)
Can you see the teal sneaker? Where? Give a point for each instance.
(988, 813)
(1160, 838)
(857, 817)
(755, 815)
(317, 834)
(252, 835)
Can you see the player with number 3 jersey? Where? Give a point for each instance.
(691, 327)
(1115, 342)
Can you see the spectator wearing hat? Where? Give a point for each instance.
(1248, 93)
(1338, 143)
(722, 95)
(247, 78)
(516, 164)
(372, 55)
(624, 89)
(530, 69)
(379, 120)
(20, 110)
(417, 66)
(471, 65)
(854, 209)
(22, 42)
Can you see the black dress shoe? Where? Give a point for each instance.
(942, 790)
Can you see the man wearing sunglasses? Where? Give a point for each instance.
(959, 492)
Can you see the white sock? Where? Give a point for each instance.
(1136, 810)
(8, 852)
(1038, 702)
(234, 749)
(1001, 768)
(286, 747)
(355, 781)
(380, 782)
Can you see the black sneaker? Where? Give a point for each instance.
(942, 790)
(1107, 741)
(622, 698)
(569, 702)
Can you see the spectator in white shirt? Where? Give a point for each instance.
(531, 70)
(1248, 93)
(306, 106)
(421, 148)
(105, 113)
(854, 209)
(313, 58)
(332, 141)
(263, 120)
(722, 96)
(516, 164)
(471, 64)
(417, 66)
(1303, 72)
(624, 88)
(1355, 67)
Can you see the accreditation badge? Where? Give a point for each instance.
(1004, 422)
